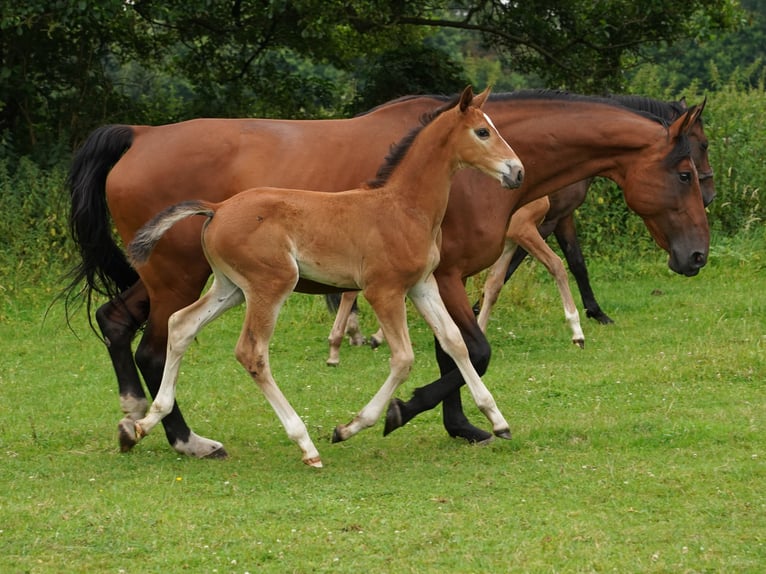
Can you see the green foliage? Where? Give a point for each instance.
(67, 67)
(34, 235)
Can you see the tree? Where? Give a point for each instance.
(69, 65)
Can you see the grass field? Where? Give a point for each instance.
(645, 452)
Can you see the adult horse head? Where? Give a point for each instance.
(674, 217)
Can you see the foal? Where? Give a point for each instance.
(383, 240)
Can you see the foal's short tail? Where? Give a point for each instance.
(148, 236)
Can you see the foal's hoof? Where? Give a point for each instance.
(393, 416)
(375, 342)
(506, 434)
(126, 430)
(314, 462)
(579, 342)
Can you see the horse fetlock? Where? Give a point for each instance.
(133, 407)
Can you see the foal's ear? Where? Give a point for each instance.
(466, 98)
(479, 99)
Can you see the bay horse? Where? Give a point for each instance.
(559, 220)
(134, 172)
(261, 242)
(530, 226)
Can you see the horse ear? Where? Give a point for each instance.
(479, 100)
(466, 98)
(685, 122)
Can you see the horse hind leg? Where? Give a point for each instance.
(253, 354)
(493, 284)
(183, 327)
(425, 296)
(533, 242)
(119, 320)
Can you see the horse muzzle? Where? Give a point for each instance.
(512, 176)
(688, 265)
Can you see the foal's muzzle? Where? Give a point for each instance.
(512, 174)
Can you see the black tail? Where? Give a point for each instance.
(103, 266)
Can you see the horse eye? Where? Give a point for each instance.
(483, 133)
(685, 176)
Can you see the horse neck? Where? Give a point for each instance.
(422, 179)
(571, 141)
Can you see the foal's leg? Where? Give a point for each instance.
(391, 312)
(253, 353)
(426, 298)
(183, 327)
(447, 387)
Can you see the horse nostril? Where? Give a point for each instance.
(698, 259)
(520, 176)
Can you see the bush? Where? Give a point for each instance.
(34, 222)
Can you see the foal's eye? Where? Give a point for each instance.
(483, 133)
(685, 176)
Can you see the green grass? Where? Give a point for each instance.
(645, 452)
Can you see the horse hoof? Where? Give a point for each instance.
(375, 343)
(219, 454)
(579, 342)
(126, 430)
(332, 362)
(471, 433)
(506, 434)
(314, 462)
(393, 416)
(336, 435)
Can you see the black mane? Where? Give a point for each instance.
(399, 150)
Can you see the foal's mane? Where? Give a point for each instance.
(399, 150)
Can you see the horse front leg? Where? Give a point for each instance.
(529, 237)
(391, 312)
(426, 299)
(119, 320)
(446, 389)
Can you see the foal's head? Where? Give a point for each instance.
(469, 137)
(478, 144)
